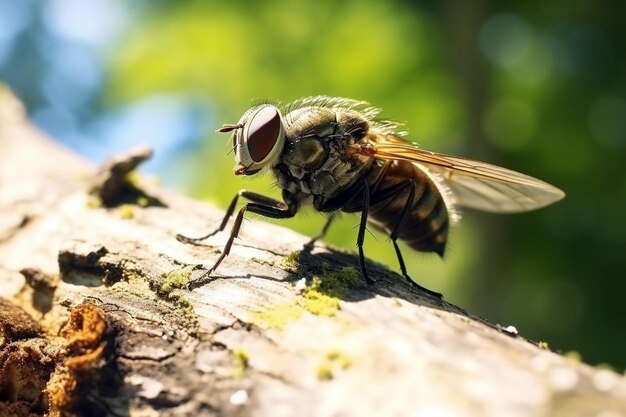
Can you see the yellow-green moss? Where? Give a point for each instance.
(133, 179)
(242, 360)
(143, 201)
(277, 317)
(321, 298)
(573, 356)
(94, 202)
(337, 283)
(181, 302)
(318, 303)
(173, 280)
(605, 366)
(339, 358)
(178, 278)
(126, 211)
(543, 345)
(324, 371)
(323, 295)
(291, 262)
(333, 360)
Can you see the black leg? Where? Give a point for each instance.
(277, 210)
(254, 197)
(394, 237)
(408, 278)
(362, 226)
(320, 235)
(406, 211)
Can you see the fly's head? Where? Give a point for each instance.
(258, 139)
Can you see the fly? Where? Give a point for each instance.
(336, 154)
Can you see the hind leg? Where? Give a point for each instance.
(406, 275)
(396, 232)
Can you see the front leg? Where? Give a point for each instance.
(267, 207)
(254, 197)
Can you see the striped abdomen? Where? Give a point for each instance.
(426, 225)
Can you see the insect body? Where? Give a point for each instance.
(336, 155)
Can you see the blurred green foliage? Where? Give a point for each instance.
(534, 87)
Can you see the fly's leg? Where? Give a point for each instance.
(268, 207)
(278, 210)
(254, 197)
(362, 226)
(396, 232)
(320, 235)
(408, 278)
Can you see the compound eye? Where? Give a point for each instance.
(263, 133)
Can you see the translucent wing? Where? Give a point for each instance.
(473, 184)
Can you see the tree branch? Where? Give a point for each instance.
(105, 285)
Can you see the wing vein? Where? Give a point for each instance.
(473, 184)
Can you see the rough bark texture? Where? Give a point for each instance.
(96, 320)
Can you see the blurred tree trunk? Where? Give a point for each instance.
(463, 23)
(96, 319)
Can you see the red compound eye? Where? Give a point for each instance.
(263, 133)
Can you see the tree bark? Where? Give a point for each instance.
(97, 318)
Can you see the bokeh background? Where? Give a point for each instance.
(535, 86)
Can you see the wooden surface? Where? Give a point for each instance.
(257, 340)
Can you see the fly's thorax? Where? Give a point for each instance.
(309, 132)
(309, 122)
(352, 125)
(316, 161)
(323, 123)
(334, 176)
(305, 156)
